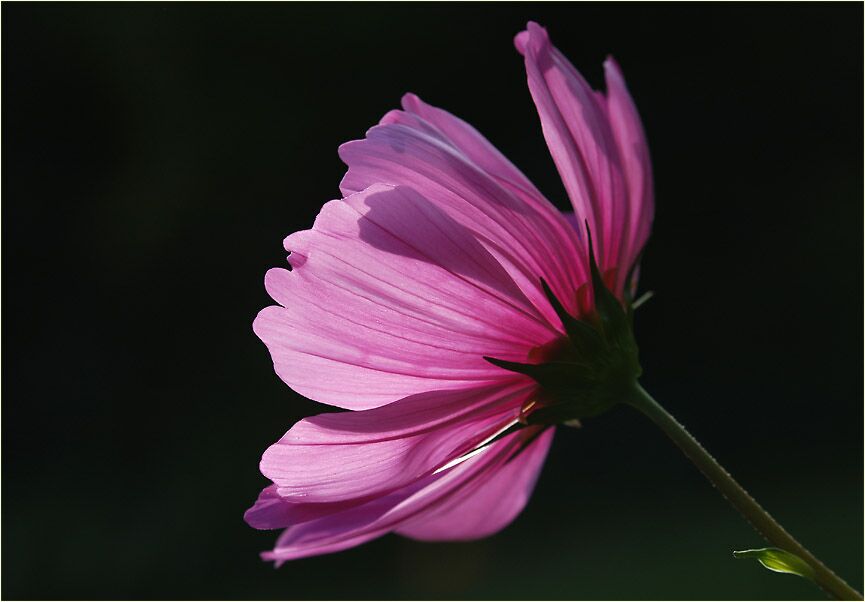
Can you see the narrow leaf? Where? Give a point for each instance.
(779, 561)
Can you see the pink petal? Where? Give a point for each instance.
(492, 505)
(467, 140)
(450, 164)
(340, 456)
(389, 297)
(384, 514)
(352, 527)
(576, 122)
(271, 511)
(573, 220)
(268, 511)
(634, 152)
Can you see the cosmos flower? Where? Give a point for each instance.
(423, 300)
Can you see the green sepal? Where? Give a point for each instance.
(581, 334)
(616, 323)
(551, 375)
(779, 561)
(596, 366)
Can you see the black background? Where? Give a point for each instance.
(155, 156)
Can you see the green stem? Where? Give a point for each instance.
(767, 526)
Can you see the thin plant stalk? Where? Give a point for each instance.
(761, 520)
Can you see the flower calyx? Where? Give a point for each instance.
(594, 368)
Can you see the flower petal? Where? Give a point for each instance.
(271, 511)
(451, 164)
(587, 134)
(389, 296)
(382, 515)
(340, 456)
(467, 140)
(491, 506)
(634, 152)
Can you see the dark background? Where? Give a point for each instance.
(156, 155)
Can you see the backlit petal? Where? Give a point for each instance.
(345, 455)
(587, 135)
(389, 297)
(634, 152)
(384, 514)
(450, 164)
(491, 506)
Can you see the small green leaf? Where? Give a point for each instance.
(779, 561)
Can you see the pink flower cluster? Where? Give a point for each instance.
(432, 261)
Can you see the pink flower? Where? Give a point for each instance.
(433, 261)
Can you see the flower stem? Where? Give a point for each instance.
(767, 526)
